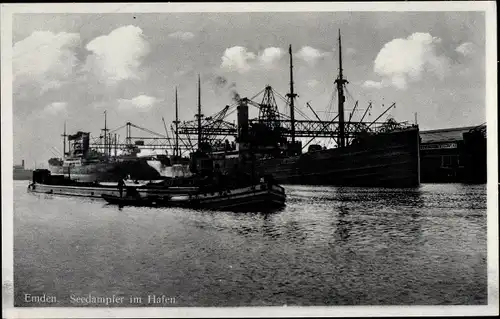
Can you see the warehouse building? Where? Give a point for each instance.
(453, 155)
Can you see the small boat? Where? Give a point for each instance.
(136, 201)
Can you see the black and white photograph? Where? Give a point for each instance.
(249, 159)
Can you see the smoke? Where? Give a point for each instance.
(220, 81)
(222, 84)
(234, 93)
(236, 96)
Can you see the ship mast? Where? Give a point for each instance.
(199, 115)
(292, 96)
(340, 81)
(64, 140)
(105, 135)
(176, 150)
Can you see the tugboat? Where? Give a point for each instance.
(263, 196)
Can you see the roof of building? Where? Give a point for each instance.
(444, 135)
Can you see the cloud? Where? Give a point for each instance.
(56, 107)
(374, 84)
(45, 60)
(241, 60)
(270, 55)
(404, 60)
(237, 58)
(141, 102)
(311, 55)
(118, 55)
(185, 36)
(312, 83)
(466, 48)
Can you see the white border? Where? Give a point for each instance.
(7, 161)
(125, 7)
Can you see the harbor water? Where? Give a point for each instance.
(328, 246)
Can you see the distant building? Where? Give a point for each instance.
(453, 155)
(20, 173)
(19, 166)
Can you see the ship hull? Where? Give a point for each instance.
(382, 160)
(97, 191)
(109, 172)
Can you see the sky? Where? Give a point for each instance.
(73, 67)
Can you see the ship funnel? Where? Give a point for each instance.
(242, 121)
(22, 163)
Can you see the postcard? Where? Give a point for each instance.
(249, 159)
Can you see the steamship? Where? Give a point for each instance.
(387, 158)
(89, 163)
(366, 154)
(85, 164)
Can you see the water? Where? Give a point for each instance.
(329, 246)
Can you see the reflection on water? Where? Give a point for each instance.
(344, 225)
(328, 246)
